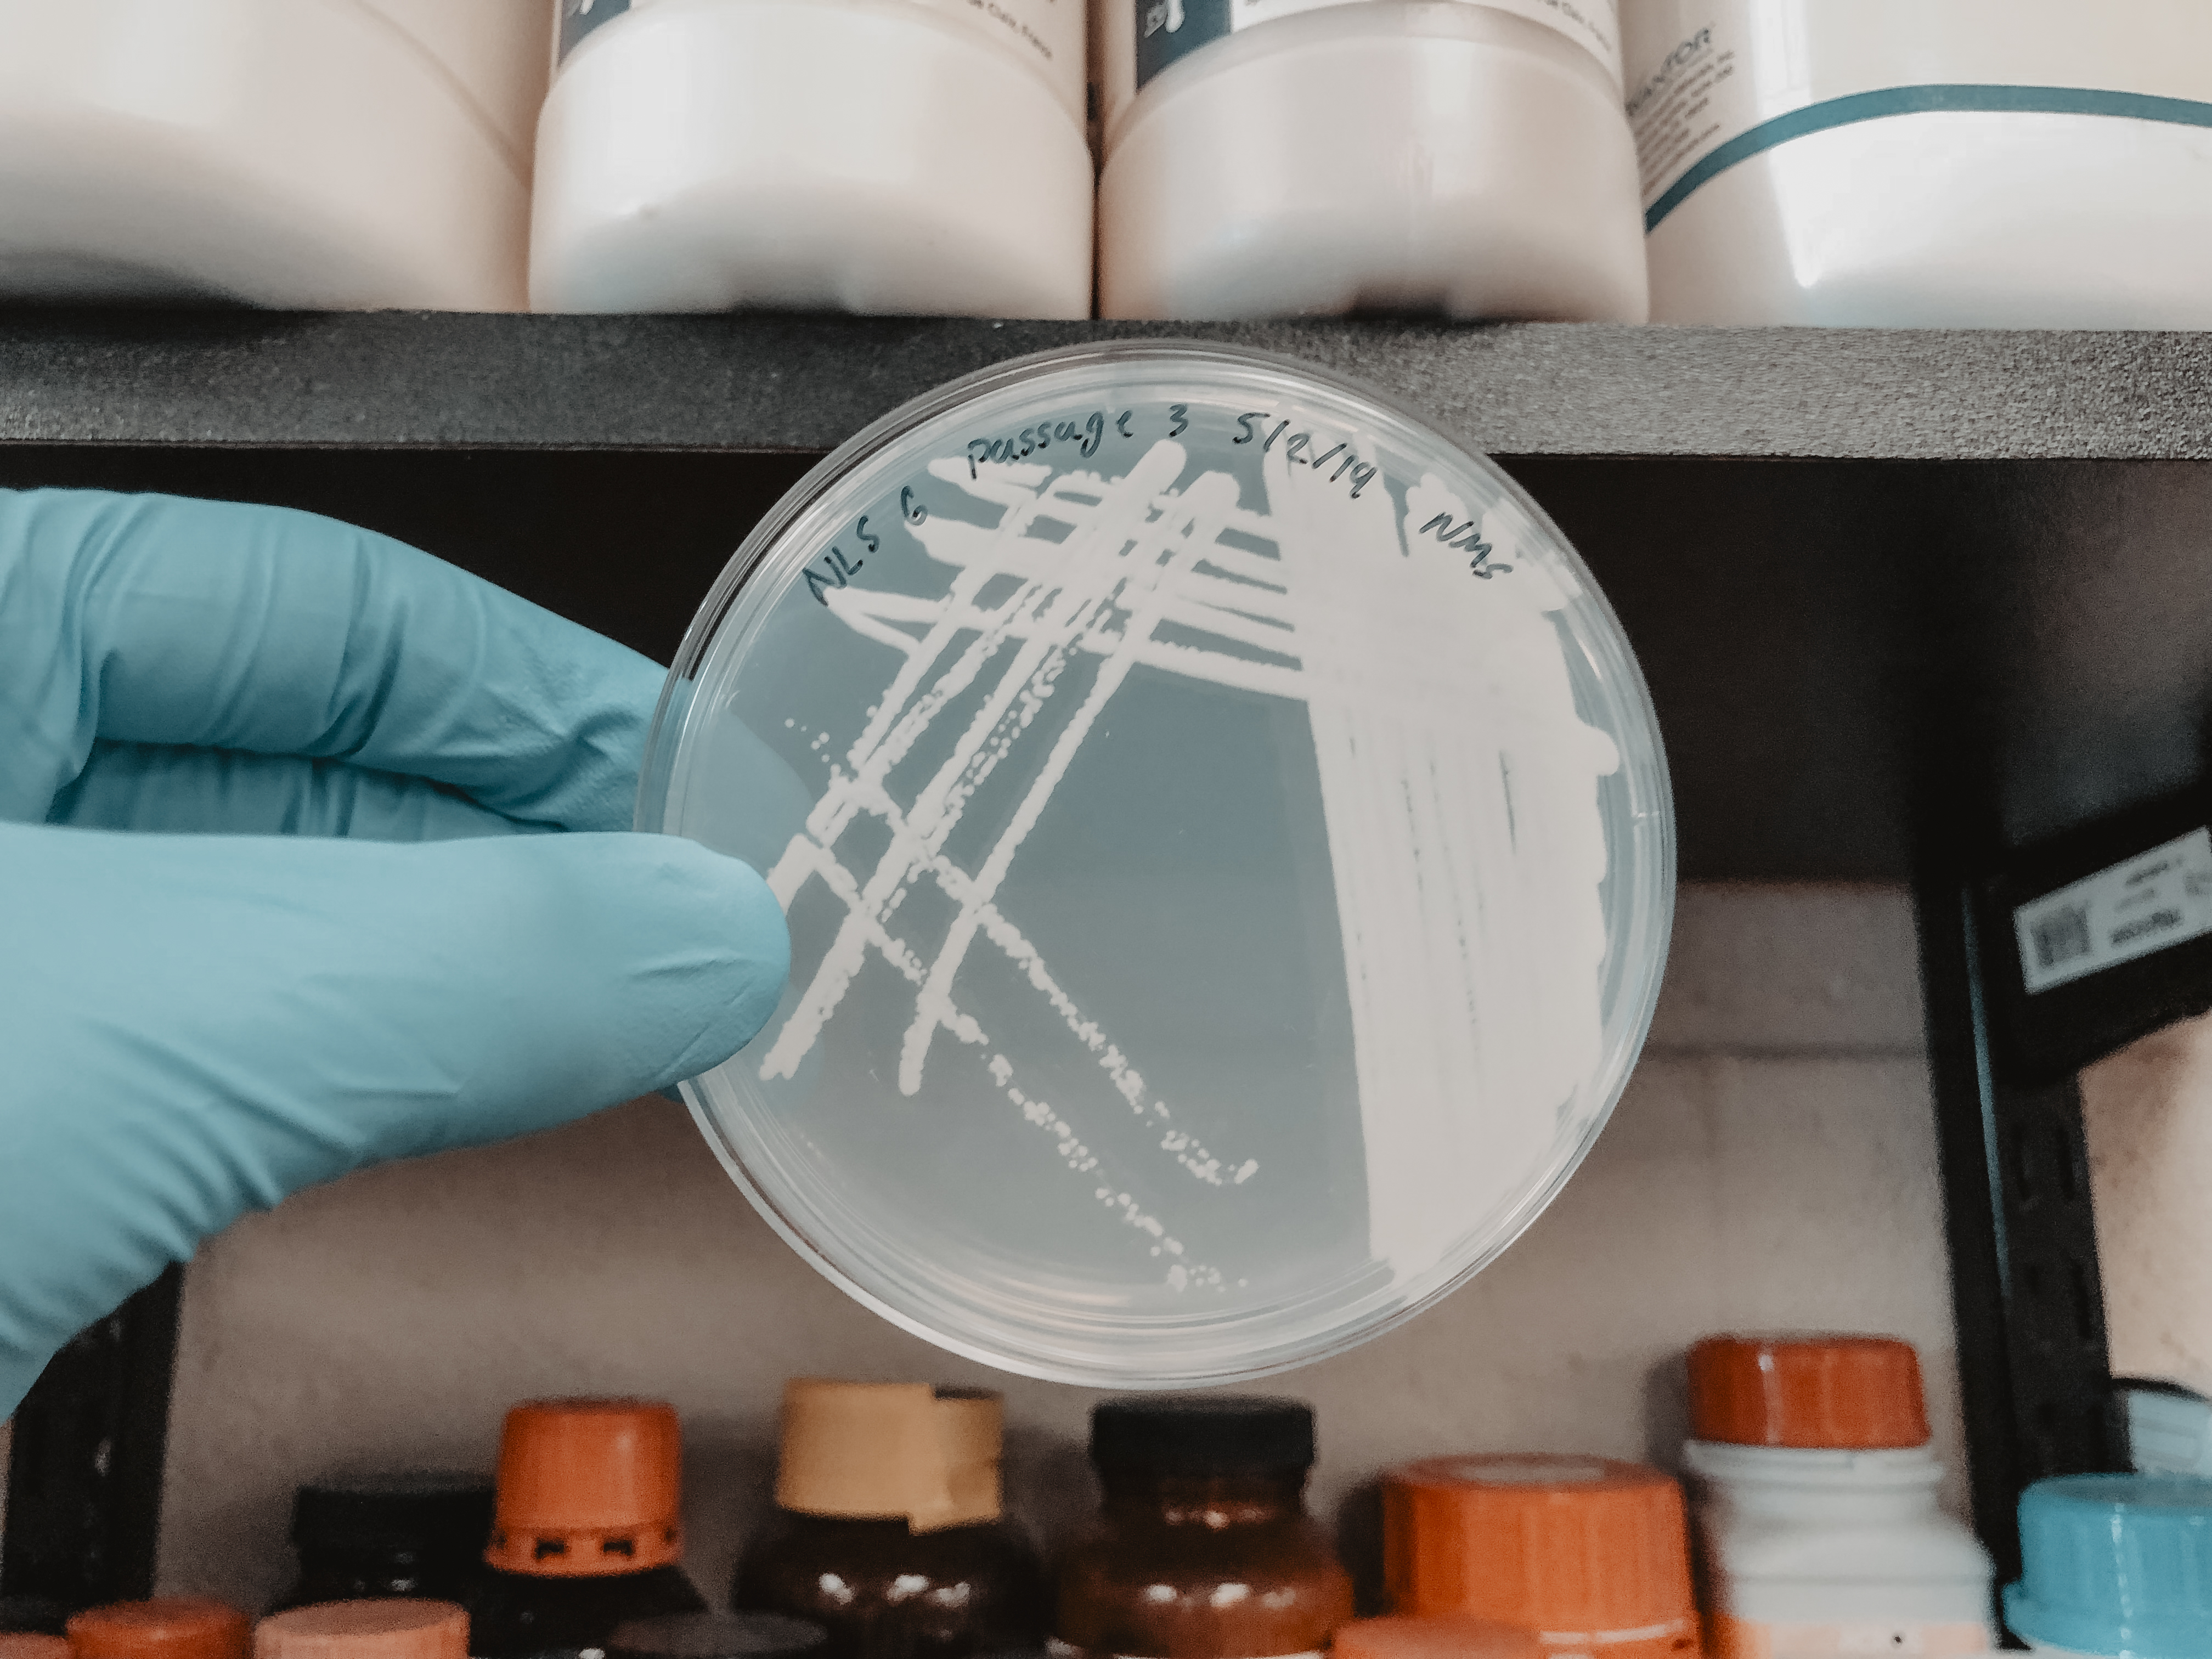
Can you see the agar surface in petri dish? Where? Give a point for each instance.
(1227, 850)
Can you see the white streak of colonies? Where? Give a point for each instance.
(1457, 784)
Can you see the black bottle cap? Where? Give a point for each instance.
(432, 1510)
(1203, 1434)
(716, 1636)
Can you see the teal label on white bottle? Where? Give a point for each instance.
(1167, 30)
(579, 17)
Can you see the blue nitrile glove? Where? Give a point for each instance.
(194, 1024)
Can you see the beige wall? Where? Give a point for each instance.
(1773, 1164)
(2144, 1113)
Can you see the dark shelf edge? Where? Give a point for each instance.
(384, 379)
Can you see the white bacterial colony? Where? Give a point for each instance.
(1458, 790)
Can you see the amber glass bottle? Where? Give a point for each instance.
(586, 1534)
(889, 1534)
(1204, 1550)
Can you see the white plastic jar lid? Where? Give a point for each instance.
(1228, 853)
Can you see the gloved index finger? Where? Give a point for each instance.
(162, 620)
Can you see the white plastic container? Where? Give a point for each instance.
(1835, 1551)
(317, 154)
(2001, 163)
(1286, 157)
(870, 155)
(2169, 1427)
(1809, 1549)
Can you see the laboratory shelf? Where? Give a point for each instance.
(805, 383)
(1912, 605)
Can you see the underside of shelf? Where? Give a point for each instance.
(772, 382)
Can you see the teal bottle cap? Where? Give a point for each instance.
(2116, 1563)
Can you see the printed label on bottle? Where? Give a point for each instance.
(1046, 35)
(1752, 1638)
(2143, 904)
(1167, 30)
(1056, 1649)
(1712, 83)
(579, 17)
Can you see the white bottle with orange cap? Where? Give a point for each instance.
(1816, 1508)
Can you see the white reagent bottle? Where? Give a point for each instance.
(1893, 163)
(330, 155)
(913, 156)
(1813, 1496)
(1288, 157)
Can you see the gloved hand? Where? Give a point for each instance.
(194, 1024)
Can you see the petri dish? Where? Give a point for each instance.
(1228, 852)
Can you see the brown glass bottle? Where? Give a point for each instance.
(888, 1534)
(1204, 1550)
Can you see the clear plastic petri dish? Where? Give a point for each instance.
(1227, 852)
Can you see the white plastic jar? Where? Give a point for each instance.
(1287, 157)
(1814, 1499)
(869, 155)
(315, 154)
(2000, 163)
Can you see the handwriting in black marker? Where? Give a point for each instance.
(1466, 538)
(1179, 414)
(1121, 423)
(911, 509)
(842, 572)
(1086, 435)
(1250, 430)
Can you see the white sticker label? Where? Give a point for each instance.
(2153, 900)
(1759, 1639)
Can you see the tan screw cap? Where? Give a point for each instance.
(365, 1630)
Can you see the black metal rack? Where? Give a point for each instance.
(1912, 605)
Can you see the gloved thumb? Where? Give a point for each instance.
(197, 1025)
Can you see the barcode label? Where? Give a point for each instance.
(2060, 939)
(2156, 899)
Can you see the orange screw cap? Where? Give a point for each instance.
(1587, 1552)
(1407, 1637)
(395, 1629)
(1810, 1391)
(588, 1489)
(167, 1627)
